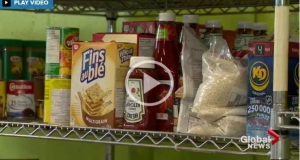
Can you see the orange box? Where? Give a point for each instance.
(97, 84)
(145, 42)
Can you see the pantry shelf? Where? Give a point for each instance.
(129, 137)
(141, 8)
(293, 116)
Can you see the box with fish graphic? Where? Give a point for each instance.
(260, 87)
(98, 83)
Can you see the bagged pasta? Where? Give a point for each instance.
(224, 79)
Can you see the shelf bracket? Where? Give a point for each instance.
(111, 18)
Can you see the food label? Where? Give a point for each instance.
(241, 42)
(20, 99)
(69, 35)
(16, 66)
(97, 89)
(146, 47)
(133, 109)
(35, 67)
(2, 99)
(168, 33)
(52, 52)
(57, 101)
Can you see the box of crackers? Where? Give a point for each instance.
(98, 83)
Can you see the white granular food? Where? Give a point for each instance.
(231, 126)
(210, 115)
(224, 82)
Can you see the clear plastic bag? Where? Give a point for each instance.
(224, 79)
(231, 126)
(209, 115)
(191, 61)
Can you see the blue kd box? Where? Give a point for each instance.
(260, 86)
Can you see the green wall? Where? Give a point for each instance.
(30, 26)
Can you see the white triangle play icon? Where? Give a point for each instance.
(149, 83)
(5, 2)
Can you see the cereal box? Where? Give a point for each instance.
(145, 42)
(98, 83)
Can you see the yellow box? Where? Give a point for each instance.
(2, 99)
(98, 83)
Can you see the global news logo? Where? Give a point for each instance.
(27, 4)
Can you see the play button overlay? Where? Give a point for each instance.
(149, 82)
(6, 3)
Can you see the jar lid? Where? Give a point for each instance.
(135, 60)
(213, 24)
(244, 24)
(34, 44)
(259, 26)
(167, 16)
(190, 18)
(10, 43)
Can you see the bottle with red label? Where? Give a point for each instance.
(167, 53)
(213, 30)
(140, 108)
(260, 31)
(244, 35)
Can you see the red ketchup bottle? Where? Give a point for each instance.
(166, 52)
(191, 21)
(260, 31)
(213, 30)
(244, 35)
(140, 111)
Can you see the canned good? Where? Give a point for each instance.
(11, 55)
(20, 99)
(40, 109)
(2, 99)
(57, 100)
(59, 50)
(34, 59)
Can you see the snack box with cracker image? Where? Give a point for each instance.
(98, 83)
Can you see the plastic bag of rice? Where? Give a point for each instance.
(210, 115)
(230, 126)
(224, 79)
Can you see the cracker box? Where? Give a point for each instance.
(260, 88)
(145, 42)
(98, 83)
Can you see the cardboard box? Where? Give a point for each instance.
(145, 42)
(260, 86)
(98, 83)
(293, 86)
(140, 27)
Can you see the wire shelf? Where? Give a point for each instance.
(175, 141)
(141, 8)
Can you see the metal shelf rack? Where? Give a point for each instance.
(175, 141)
(142, 8)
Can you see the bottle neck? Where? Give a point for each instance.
(244, 31)
(260, 33)
(213, 30)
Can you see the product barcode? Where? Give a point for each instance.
(162, 116)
